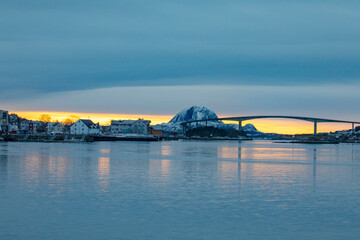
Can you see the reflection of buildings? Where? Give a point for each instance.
(104, 170)
(229, 170)
(159, 169)
(57, 166)
(105, 150)
(228, 152)
(3, 167)
(104, 166)
(272, 164)
(4, 121)
(165, 150)
(32, 164)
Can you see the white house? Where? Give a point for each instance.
(139, 126)
(13, 128)
(84, 127)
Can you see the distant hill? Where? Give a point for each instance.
(251, 131)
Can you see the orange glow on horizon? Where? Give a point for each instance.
(289, 126)
(102, 118)
(282, 126)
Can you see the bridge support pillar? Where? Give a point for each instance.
(315, 128)
(206, 123)
(353, 127)
(197, 124)
(240, 125)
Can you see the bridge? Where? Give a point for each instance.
(246, 118)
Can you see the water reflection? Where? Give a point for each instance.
(159, 169)
(228, 152)
(3, 167)
(58, 166)
(166, 150)
(314, 168)
(105, 150)
(241, 188)
(229, 170)
(204, 149)
(104, 171)
(279, 173)
(32, 166)
(276, 153)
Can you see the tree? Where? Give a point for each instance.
(67, 122)
(74, 118)
(70, 120)
(45, 118)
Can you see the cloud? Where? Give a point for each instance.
(331, 101)
(76, 45)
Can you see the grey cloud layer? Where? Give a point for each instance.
(51, 46)
(318, 101)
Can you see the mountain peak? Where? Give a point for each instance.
(249, 128)
(192, 113)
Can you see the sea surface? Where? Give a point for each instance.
(179, 190)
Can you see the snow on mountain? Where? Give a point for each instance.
(193, 113)
(190, 114)
(249, 128)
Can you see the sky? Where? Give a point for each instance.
(156, 58)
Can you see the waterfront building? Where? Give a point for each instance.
(29, 126)
(24, 125)
(4, 121)
(84, 127)
(139, 126)
(13, 128)
(157, 132)
(55, 127)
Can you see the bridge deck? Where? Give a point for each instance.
(245, 118)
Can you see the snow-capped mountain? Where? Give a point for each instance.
(190, 114)
(194, 113)
(202, 113)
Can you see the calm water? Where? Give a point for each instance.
(179, 190)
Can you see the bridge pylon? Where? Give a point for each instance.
(315, 128)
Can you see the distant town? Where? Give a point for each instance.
(74, 129)
(12, 124)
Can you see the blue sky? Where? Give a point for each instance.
(50, 49)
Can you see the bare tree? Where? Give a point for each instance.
(45, 118)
